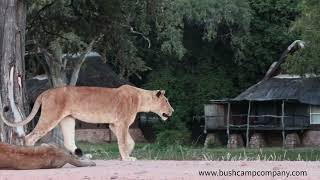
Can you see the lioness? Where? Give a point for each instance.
(40, 157)
(116, 106)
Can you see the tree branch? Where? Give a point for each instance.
(46, 68)
(17, 117)
(34, 18)
(75, 72)
(139, 33)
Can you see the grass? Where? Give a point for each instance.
(177, 152)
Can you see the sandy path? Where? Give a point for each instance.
(142, 169)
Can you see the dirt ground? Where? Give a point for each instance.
(143, 169)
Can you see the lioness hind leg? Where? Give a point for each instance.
(41, 129)
(122, 138)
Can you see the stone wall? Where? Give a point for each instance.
(257, 141)
(105, 135)
(292, 140)
(235, 141)
(94, 135)
(212, 139)
(99, 135)
(311, 138)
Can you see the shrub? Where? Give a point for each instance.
(172, 137)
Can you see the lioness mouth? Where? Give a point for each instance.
(165, 115)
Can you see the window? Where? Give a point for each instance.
(314, 114)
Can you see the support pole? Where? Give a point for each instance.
(248, 124)
(282, 124)
(228, 121)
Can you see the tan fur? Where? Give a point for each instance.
(116, 106)
(41, 157)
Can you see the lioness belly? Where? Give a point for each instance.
(96, 117)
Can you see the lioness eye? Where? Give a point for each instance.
(158, 94)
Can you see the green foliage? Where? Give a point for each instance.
(225, 47)
(212, 16)
(69, 26)
(308, 25)
(270, 35)
(176, 90)
(69, 43)
(171, 137)
(124, 57)
(187, 93)
(200, 50)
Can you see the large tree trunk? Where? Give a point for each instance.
(57, 77)
(12, 38)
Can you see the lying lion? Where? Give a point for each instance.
(116, 106)
(39, 157)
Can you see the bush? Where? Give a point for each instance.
(172, 137)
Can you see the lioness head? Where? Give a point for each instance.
(161, 105)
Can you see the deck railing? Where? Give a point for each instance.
(265, 121)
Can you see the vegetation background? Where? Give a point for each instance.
(196, 50)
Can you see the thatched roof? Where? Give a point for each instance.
(93, 73)
(304, 90)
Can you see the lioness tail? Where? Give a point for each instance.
(34, 111)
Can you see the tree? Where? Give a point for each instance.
(12, 74)
(197, 50)
(85, 21)
(194, 56)
(214, 50)
(308, 26)
(54, 44)
(56, 69)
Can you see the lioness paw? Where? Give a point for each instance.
(86, 157)
(129, 159)
(91, 163)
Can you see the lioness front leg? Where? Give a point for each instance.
(123, 136)
(67, 125)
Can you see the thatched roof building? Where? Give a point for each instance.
(284, 87)
(279, 103)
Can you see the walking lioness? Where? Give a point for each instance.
(116, 106)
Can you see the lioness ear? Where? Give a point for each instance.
(163, 92)
(158, 93)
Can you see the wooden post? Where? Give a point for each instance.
(205, 125)
(248, 123)
(283, 125)
(110, 133)
(228, 121)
